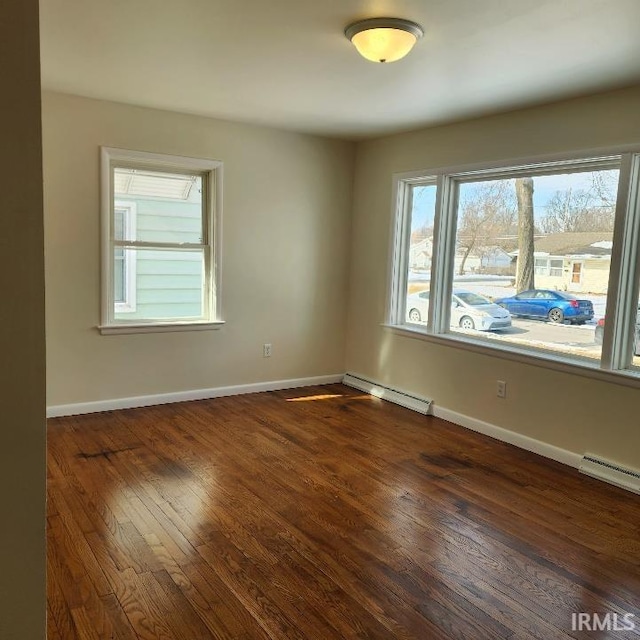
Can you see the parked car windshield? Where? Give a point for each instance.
(470, 298)
(566, 296)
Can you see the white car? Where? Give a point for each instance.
(468, 311)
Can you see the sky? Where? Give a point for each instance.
(544, 188)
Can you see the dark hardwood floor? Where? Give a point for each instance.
(324, 513)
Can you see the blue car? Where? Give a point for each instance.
(555, 306)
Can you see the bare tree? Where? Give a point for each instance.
(487, 212)
(571, 211)
(591, 209)
(604, 185)
(526, 265)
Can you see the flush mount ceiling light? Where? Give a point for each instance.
(384, 39)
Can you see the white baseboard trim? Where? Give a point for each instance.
(60, 410)
(404, 399)
(511, 437)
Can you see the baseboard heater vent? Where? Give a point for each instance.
(610, 472)
(404, 399)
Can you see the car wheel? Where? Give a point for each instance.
(467, 323)
(414, 315)
(556, 315)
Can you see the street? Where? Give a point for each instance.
(539, 330)
(575, 339)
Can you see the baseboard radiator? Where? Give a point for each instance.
(404, 399)
(610, 472)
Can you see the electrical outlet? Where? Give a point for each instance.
(266, 350)
(501, 389)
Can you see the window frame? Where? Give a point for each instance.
(552, 268)
(541, 270)
(129, 264)
(211, 173)
(624, 276)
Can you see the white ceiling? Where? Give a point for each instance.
(286, 63)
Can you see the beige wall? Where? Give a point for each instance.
(568, 411)
(22, 425)
(287, 225)
(286, 228)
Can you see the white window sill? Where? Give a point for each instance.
(626, 377)
(158, 327)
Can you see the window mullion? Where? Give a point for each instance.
(443, 255)
(622, 295)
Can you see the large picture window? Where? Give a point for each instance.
(539, 259)
(161, 224)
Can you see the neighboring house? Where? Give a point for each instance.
(494, 259)
(573, 262)
(420, 254)
(489, 259)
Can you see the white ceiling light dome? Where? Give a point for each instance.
(384, 39)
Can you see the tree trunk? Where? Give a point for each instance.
(526, 264)
(464, 260)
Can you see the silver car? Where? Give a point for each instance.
(469, 310)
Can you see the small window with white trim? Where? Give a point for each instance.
(161, 231)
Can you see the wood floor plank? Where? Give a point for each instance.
(223, 613)
(59, 620)
(324, 513)
(52, 627)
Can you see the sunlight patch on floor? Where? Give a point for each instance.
(326, 396)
